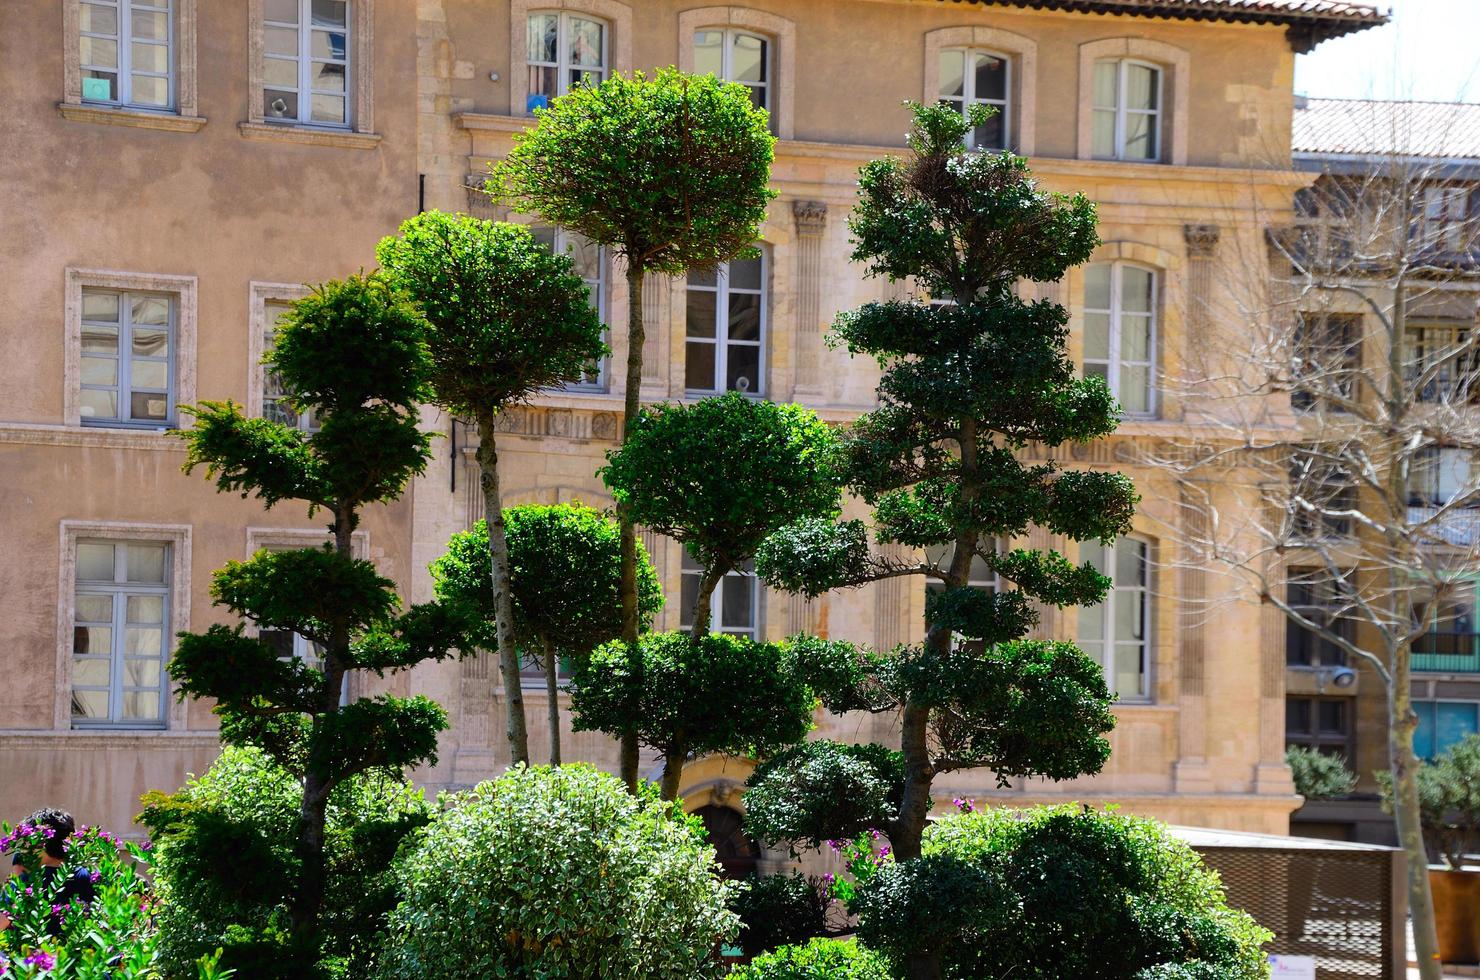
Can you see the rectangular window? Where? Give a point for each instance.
(1315, 596)
(736, 56)
(120, 634)
(127, 371)
(1445, 219)
(1323, 724)
(1120, 332)
(733, 608)
(274, 397)
(969, 78)
(306, 62)
(1127, 110)
(589, 260)
(1321, 497)
(1443, 363)
(1441, 724)
(1117, 632)
(1440, 473)
(1452, 644)
(126, 53)
(726, 332)
(1328, 360)
(564, 50)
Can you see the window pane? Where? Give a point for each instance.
(991, 77)
(280, 72)
(735, 601)
(709, 53)
(328, 108)
(153, 310)
(1130, 563)
(99, 404)
(745, 274)
(1135, 389)
(1097, 287)
(99, 371)
(1097, 336)
(99, 306)
(1135, 338)
(1141, 87)
(92, 705)
(142, 672)
(1331, 717)
(94, 562)
(99, 52)
(93, 609)
(98, 19)
(1129, 671)
(1104, 134)
(143, 641)
(585, 255)
(744, 368)
(1106, 75)
(688, 594)
(1140, 136)
(329, 77)
(328, 44)
(150, 57)
(281, 10)
(146, 562)
(91, 673)
(542, 83)
(744, 316)
(150, 342)
(141, 706)
(700, 313)
(281, 40)
(148, 407)
(151, 374)
(145, 609)
(1130, 613)
(989, 137)
(92, 639)
(1091, 627)
(952, 74)
(699, 366)
(150, 90)
(329, 13)
(542, 32)
(152, 25)
(748, 59)
(586, 42)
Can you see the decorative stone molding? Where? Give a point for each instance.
(617, 15)
(178, 538)
(1022, 54)
(184, 115)
(783, 34)
(811, 223)
(184, 290)
(307, 136)
(31, 434)
(259, 294)
(1202, 240)
(362, 81)
(1174, 61)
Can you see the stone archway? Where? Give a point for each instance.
(736, 852)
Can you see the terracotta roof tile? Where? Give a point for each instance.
(1369, 127)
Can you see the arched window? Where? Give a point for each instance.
(1120, 332)
(971, 77)
(1117, 632)
(726, 327)
(1127, 110)
(736, 56)
(565, 50)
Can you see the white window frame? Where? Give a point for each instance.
(177, 611)
(1445, 217)
(691, 569)
(119, 590)
(260, 297)
(306, 61)
(727, 67)
(1105, 647)
(968, 92)
(124, 388)
(562, 63)
(1121, 111)
(124, 41)
(598, 289)
(721, 340)
(1115, 362)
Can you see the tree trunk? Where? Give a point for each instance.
(515, 726)
(552, 690)
(1403, 765)
(674, 757)
(909, 826)
(636, 335)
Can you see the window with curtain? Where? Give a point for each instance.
(969, 77)
(126, 50)
(736, 56)
(564, 50)
(120, 634)
(127, 365)
(1117, 632)
(1120, 332)
(1127, 110)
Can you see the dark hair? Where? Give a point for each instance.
(62, 825)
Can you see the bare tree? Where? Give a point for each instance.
(1336, 416)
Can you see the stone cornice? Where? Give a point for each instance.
(120, 116)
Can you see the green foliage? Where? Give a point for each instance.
(507, 316)
(671, 172)
(1058, 892)
(226, 866)
(1319, 776)
(815, 555)
(820, 959)
(822, 791)
(780, 910)
(1448, 800)
(717, 693)
(565, 573)
(722, 474)
(558, 873)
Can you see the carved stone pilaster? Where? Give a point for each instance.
(891, 606)
(474, 760)
(1272, 775)
(655, 325)
(1192, 772)
(811, 224)
(1202, 240)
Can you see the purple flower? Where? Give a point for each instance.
(41, 958)
(96, 877)
(148, 845)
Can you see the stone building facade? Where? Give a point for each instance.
(176, 167)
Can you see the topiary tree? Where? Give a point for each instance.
(782, 910)
(669, 173)
(559, 873)
(820, 959)
(225, 867)
(967, 385)
(696, 695)
(507, 318)
(564, 576)
(1319, 776)
(1449, 800)
(354, 354)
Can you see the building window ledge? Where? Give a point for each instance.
(342, 138)
(109, 115)
(91, 437)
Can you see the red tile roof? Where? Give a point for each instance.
(1371, 127)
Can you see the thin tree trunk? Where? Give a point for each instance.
(515, 726)
(1402, 721)
(552, 690)
(677, 753)
(636, 335)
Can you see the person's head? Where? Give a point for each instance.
(61, 825)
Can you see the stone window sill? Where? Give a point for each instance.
(123, 116)
(342, 138)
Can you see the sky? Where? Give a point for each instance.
(1430, 50)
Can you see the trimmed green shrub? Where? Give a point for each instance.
(1448, 800)
(558, 874)
(780, 910)
(1058, 892)
(1319, 776)
(225, 866)
(821, 791)
(820, 959)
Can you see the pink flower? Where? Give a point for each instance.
(41, 958)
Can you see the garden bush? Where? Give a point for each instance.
(558, 874)
(225, 866)
(820, 959)
(1319, 776)
(780, 910)
(1058, 892)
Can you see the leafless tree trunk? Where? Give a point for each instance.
(636, 335)
(515, 727)
(552, 691)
